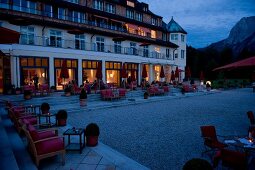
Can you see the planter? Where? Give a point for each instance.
(91, 140)
(67, 94)
(92, 132)
(61, 122)
(83, 102)
(27, 97)
(18, 92)
(145, 96)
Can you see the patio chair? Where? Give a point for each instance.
(211, 141)
(231, 159)
(251, 118)
(45, 147)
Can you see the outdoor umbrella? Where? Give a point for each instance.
(99, 74)
(162, 73)
(144, 72)
(187, 73)
(123, 73)
(176, 74)
(132, 75)
(172, 75)
(64, 71)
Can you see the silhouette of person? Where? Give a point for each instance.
(36, 78)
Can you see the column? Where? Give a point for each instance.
(103, 71)
(139, 76)
(80, 82)
(151, 75)
(51, 72)
(15, 73)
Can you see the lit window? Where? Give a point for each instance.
(157, 49)
(174, 37)
(153, 34)
(129, 3)
(27, 35)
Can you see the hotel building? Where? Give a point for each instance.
(36, 36)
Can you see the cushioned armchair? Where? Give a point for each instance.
(44, 144)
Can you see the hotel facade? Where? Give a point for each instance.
(38, 35)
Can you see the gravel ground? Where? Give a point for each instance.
(165, 134)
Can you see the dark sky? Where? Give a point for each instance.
(206, 21)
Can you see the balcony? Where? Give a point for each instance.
(28, 16)
(58, 42)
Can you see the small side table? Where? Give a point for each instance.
(48, 119)
(75, 146)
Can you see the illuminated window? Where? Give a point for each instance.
(129, 3)
(157, 49)
(153, 34)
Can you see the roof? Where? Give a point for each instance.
(248, 62)
(174, 27)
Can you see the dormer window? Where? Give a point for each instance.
(139, 17)
(154, 21)
(98, 5)
(130, 14)
(131, 4)
(145, 9)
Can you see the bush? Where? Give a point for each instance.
(27, 92)
(62, 114)
(92, 129)
(53, 87)
(197, 164)
(83, 94)
(68, 89)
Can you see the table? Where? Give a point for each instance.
(48, 117)
(75, 146)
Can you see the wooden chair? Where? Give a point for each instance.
(45, 147)
(211, 141)
(232, 159)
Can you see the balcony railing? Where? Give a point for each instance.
(58, 42)
(80, 20)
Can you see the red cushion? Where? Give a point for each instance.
(31, 120)
(35, 135)
(49, 146)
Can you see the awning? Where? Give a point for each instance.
(8, 36)
(75, 31)
(118, 39)
(248, 62)
(144, 44)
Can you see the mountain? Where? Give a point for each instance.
(241, 38)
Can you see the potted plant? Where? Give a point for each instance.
(27, 94)
(92, 132)
(61, 118)
(45, 107)
(18, 90)
(83, 97)
(208, 87)
(146, 95)
(68, 91)
(52, 88)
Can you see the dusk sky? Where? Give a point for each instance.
(206, 21)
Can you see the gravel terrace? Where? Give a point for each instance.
(165, 134)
